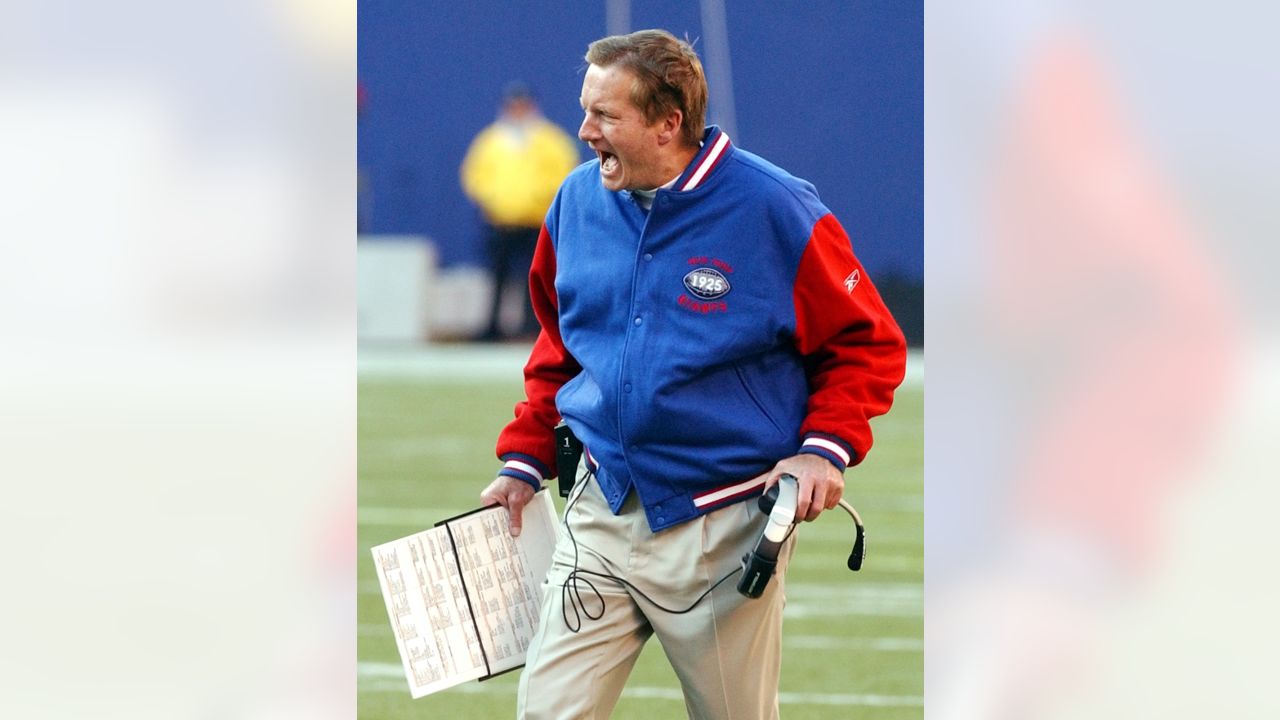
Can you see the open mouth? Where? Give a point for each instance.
(608, 162)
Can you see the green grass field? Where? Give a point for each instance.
(852, 642)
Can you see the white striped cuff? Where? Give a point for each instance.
(525, 468)
(829, 446)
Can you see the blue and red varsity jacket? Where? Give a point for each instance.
(693, 346)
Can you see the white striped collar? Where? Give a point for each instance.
(715, 147)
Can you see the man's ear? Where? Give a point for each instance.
(670, 126)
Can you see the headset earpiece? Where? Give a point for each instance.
(859, 550)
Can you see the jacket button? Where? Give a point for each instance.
(661, 519)
(638, 321)
(648, 257)
(626, 387)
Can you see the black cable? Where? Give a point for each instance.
(571, 595)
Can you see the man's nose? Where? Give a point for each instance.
(588, 130)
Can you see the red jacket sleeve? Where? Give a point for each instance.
(855, 354)
(527, 444)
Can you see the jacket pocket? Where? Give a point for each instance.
(755, 399)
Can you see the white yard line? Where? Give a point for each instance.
(856, 589)
(808, 600)
(388, 677)
(853, 644)
(803, 610)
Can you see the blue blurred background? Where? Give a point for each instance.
(831, 91)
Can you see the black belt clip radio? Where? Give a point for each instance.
(568, 453)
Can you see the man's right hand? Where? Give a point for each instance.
(510, 493)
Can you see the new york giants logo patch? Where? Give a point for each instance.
(705, 285)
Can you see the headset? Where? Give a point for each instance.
(779, 503)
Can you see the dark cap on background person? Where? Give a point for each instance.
(516, 90)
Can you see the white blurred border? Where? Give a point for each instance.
(178, 369)
(1103, 359)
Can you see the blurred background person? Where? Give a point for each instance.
(512, 170)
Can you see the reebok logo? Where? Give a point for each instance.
(852, 281)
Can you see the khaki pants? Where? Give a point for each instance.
(726, 651)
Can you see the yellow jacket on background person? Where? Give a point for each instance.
(514, 167)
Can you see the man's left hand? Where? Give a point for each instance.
(821, 485)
